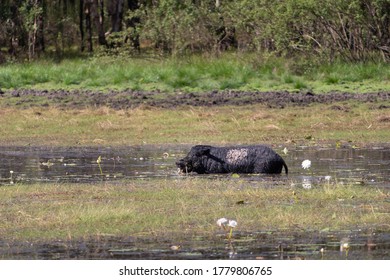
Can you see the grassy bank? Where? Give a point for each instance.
(184, 207)
(354, 122)
(198, 73)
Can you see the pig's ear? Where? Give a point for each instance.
(203, 151)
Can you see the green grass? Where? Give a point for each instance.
(197, 73)
(187, 206)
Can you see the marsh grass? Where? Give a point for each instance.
(354, 122)
(184, 207)
(197, 73)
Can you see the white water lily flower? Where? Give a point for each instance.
(344, 244)
(306, 164)
(222, 222)
(232, 223)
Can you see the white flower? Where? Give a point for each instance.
(232, 223)
(327, 178)
(344, 244)
(11, 171)
(306, 164)
(222, 222)
(285, 151)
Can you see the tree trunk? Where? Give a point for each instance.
(98, 18)
(81, 25)
(35, 32)
(115, 11)
(94, 12)
(40, 28)
(88, 25)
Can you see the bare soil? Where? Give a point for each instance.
(126, 99)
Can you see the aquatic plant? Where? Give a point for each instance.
(222, 222)
(11, 178)
(175, 247)
(322, 251)
(344, 246)
(232, 224)
(306, 164)
(227, 225)
(99, 160)
(47, 163)
(306, 183)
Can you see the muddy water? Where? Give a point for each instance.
(363, 166)
(370, 166)
(252, 245)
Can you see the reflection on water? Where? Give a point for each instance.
(255, 245)
(368, 166)
(79, 164)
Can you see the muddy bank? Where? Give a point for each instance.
(126, 99)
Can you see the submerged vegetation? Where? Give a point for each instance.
(185, 207)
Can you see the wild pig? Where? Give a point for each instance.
(204, 159)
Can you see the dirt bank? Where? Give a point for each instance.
(131, 99)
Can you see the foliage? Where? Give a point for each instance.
(353, 30)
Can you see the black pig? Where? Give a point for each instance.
(204, 159)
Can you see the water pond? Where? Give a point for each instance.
(368, 166)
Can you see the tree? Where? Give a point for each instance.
(353, 30)
(115, 12)
(32, 14)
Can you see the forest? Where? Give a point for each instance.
(351, 30)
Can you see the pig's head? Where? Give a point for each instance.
(194, 161)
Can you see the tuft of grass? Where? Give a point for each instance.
(299, 84)
(332, 79)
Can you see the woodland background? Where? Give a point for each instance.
(353, 30)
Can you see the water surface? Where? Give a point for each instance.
(369, 166)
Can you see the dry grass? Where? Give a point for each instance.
(222, 125)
